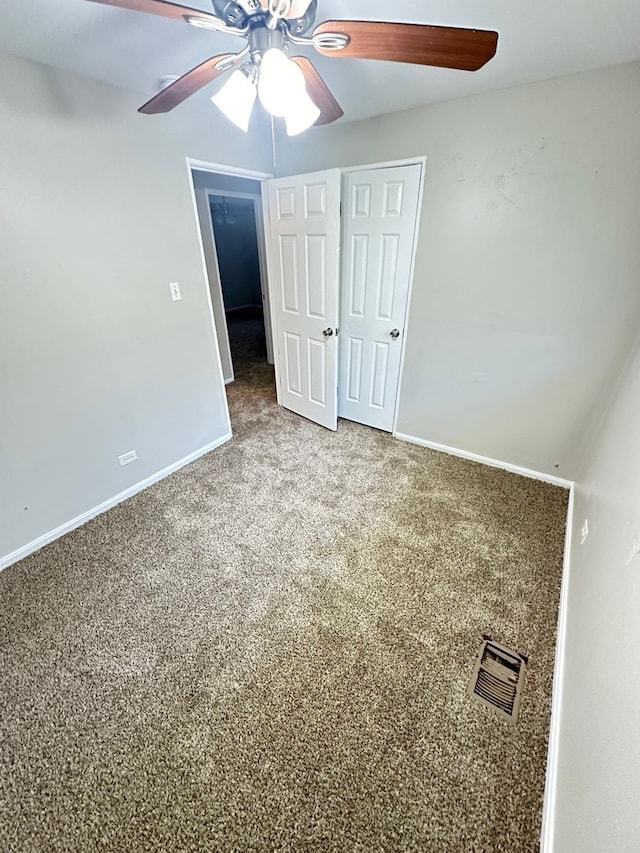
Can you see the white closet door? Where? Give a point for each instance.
(380, 225)
(304, 262)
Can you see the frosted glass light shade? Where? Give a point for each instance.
(236, 99)
(281, 82)
(301, 115)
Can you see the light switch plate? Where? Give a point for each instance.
(174, 287)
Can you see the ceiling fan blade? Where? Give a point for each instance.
(330, 109)
(418, 44)
(164, 9)
(188, 84)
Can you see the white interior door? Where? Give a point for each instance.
(264, 276)
(304, 273)
(203, 210)
(380, 225)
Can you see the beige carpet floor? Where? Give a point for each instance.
(270, 650)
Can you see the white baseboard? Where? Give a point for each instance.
(551, 783)
(68, 526)
(485, 460)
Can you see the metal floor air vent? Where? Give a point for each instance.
(498, 678)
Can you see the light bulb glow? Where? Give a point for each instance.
(302, 113)
(236, 99)
(281, 82)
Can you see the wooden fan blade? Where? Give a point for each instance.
(162, 8)
(418, 44)
(186, 85)
(330, 109)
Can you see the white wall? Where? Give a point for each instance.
(95, 359)
(598, 782)
(526, 292)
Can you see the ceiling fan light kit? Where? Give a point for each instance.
(289, 87)
(280, 79)
(237, 97)
(283, 92)
(301, 117)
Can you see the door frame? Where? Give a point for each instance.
(234, 172)
(206, 166)
(411, 161)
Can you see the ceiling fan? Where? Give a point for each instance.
(289, 87)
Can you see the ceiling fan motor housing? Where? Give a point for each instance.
(238, 13)
(299, 26)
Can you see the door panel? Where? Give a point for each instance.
(288, 274)
(388, 283)
(379, 231)
(357, 281)
(354, 369)
(379, 375)
(293, 371)
(317, 373)
(304, 213)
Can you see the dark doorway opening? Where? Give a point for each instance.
(236, 237)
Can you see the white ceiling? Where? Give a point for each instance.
(538, 40)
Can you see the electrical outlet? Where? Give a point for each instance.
(127, 458)
(174, 287)
(584, 532)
